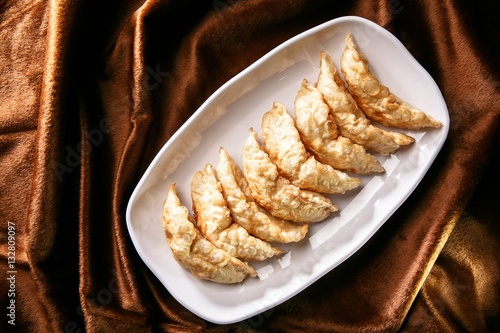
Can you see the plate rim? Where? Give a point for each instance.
(139, 187)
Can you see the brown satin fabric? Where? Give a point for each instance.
(90, 91)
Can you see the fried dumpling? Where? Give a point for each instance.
(275, 193)
(376, 100)
(213, 218)
(195, 253)
(350, 119)
(247, 213)
(320, 135)
(283, 145)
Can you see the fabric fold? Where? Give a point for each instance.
(46, 239)
(82, 115)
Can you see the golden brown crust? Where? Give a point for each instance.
(350, 119)
(319, 134)
(192, 251)
(213, 218)
(376, 100)
(275, 193)
(247, 213)
(283, 144)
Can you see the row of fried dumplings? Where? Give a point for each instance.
(239, 213)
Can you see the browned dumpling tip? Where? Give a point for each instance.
(320, 135)
(195, 253)
(283, 144)
(375, 99)
(247, 213)
(275, 193)
(349, 118)
(213, 218)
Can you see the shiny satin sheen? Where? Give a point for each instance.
(90, 91)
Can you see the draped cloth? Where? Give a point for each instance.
(89, 93)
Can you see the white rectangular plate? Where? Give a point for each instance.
(224, 120)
